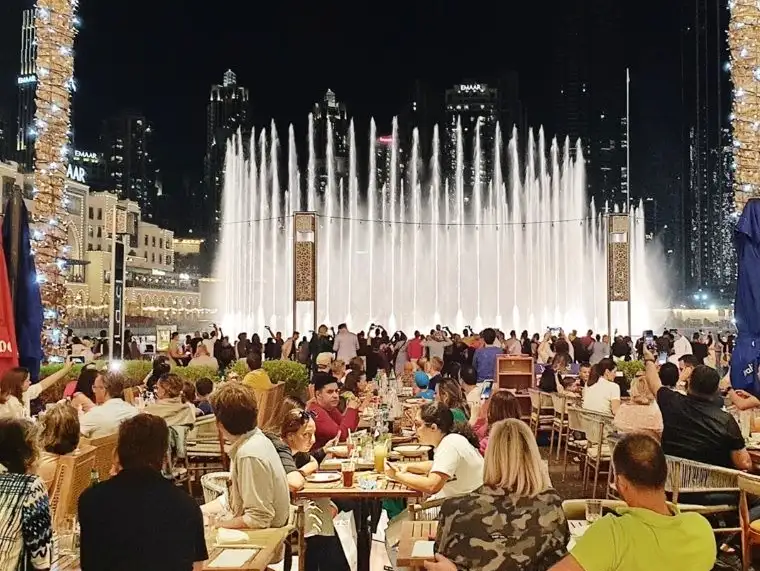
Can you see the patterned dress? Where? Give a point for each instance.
(25, 527)
(489, 530)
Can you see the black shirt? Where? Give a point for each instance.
(697, 428)
(166, 522)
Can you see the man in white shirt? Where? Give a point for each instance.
(681, 346)
(203, 359)
(105, 419)
(346, 344)
(512, 345)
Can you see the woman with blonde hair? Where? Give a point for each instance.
(58, 436)
(514, 521)
(641, 413)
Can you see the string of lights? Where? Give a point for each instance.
(744, 42)
(55, 30)
(283, 218)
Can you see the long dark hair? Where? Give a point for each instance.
(12, 383)
(439, 414)
(450, 393)
(85, 381)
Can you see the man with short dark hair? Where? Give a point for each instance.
(346, 344)
(669, 375)
(468, 378)
(645, 534)
(139, 497)
(695, 426)
(512, 345)
(484, 360)
(258, 496)
(105, 419)
(328, 419)
(686, 365)
(203, 388)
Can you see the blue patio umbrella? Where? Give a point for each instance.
(746, 355)
(26, 299)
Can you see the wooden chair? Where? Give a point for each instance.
(270, 404)
(105, 447)
(596, 426)
(205, 448)
(559, 422)
(541, 411)
(750, 530)
(426, 510)
(576, 448)
(690, 477)
(129, 395)
(72, 477)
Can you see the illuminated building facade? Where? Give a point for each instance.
(333, 112)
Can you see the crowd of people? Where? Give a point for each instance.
(497, 505)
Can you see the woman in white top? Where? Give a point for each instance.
(602, 394)
(456, 468)
(545, 353)
(17, 392)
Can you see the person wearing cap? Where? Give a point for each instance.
(323, 363)
(328, 419)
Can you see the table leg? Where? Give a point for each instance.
(363, 537)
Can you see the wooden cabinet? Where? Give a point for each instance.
(517, 374)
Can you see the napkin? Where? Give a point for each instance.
(423, 549)
(232, 558)
(226, 536)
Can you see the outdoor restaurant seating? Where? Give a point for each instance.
(575, 447)
(596, 426)
(748, 485)
(105, 446)
(559, 422)
(541, 411)
(72, 477)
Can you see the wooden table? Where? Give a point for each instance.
(365, 500)
(412, 532)
(269, 542)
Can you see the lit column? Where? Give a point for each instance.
(744, 41)
(54, 23)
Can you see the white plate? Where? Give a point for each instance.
(323, 477)
(339, 451)
(412, 450)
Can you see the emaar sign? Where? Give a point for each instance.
(472, 88)
(77, 174)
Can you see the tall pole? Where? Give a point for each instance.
(628, 190)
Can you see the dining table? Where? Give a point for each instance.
(368, 490)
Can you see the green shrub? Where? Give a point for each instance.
(630, 368)
(293, 374)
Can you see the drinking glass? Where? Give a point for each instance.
(381, 453)
(348, 469)
(593, 510)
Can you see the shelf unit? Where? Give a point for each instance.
(517, 374)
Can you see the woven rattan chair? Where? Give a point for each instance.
(541, 411)
(105, 447)
(205, 448)
(690, 477)
(596, 427)
(214, 485)
(269, 404)
(559, 422)
(750, 533)
(575, 447)
(72, 477)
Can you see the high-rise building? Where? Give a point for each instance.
(5, 135)
(228, 110)
(27, 85)
(127, 142)
(708, 187)
(330, 111)
(589, 93)
(89, 167)
(472, 104)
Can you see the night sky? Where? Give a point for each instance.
(161, 56)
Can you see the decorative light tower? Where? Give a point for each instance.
(744, 41)
(55, 29)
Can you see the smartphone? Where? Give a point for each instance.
(77, 359)
(485, 394)
(662, 358)
(554, 330)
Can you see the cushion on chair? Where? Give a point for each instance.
(593, 451)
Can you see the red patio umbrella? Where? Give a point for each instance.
(8, 347)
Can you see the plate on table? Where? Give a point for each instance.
(403, 439)
(340, 451)
(323, 477)
(412, 450)
(415, 401)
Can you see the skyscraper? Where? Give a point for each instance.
(27, 84)
(589, 92)
(228, 110)
(471, 104)
(330, 111)
(5, 135)
(126, 142)
(708, 189)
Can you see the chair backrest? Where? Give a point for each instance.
(204, 430)
(695, 477)
(535, 399)
(747, 485)
(105, 446)
(559, 402)
(574, 421)
(72, 477)
(595, 425)
(129, 395)
(270, 405)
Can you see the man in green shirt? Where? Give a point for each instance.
(645, 536)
